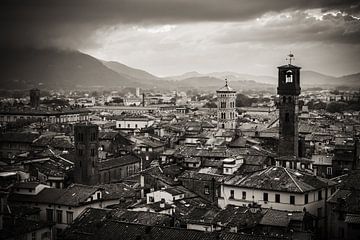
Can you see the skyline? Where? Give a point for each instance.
(170, 38)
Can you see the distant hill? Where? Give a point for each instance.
(52, 68)
(350, 80)
(232, 76)
(308, 78)
(212, 83)
(55, 69)
(129, 71)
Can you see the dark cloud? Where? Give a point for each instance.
(295, 27)
(71, 23)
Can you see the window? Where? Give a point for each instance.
(329, 170)
(206, 190)
(266, 197)
(277, 198)
(93, 136)
(306, 198)
(292, 199)
(49, 215)
(287, 117)
(80, 137)
(58, 216)
(98, 195)
(69, 217)
(289, 77)
(128, 125)
(244, 195)
(232, 194)
(33, 236)
(135, 125)
(319, 195)
(92, 152)
(151, 199)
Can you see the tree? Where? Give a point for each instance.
(243, 100)
(336, 107)
(210, 105)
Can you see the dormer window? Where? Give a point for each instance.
(289, 77)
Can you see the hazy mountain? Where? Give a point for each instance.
(186, 75)
(52, 68)
(132, 72)
(212, 83)
(308, 78)
(349, 80)
(231, 76)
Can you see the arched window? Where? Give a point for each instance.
(289, 77)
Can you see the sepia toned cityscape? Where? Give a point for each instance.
(177, 119)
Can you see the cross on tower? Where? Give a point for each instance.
(290, 57)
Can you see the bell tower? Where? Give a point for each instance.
(86, 153)
(288, 91)
(226, 110)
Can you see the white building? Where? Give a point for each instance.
(60, 206)
(169, 195)
(278, 188)
(135, 122)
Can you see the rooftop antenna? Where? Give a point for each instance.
(290, 58)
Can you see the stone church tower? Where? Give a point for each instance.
(288, 91)
(86, 153)
(226, 111)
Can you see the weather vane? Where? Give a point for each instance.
(290, 57)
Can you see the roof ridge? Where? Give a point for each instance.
(293, 179)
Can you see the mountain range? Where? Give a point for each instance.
(24, 68)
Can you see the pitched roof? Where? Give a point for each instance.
(74, 195)
(107, 135)
(23, 137)
(280, 179)
(119, 161)
(117, 191)
(187, 174)
(280, 218)
(114, 229)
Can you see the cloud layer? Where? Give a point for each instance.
(170, 36)
(72, 22)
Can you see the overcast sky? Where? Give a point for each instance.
(169, 37)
